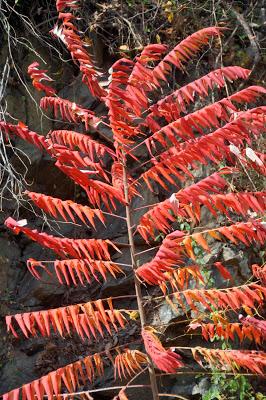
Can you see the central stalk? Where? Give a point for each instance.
(136, 281)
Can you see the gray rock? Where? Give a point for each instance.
(33, 292)
(17, 371)
(147, 198)
(182, 386)
(201, 387)
(79, 93)
(9, 270)
(165, 314)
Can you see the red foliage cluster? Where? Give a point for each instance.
(232, 298)
(181, 141)
(254, 361)
(37, 75)
(254, 324)
(129, 362)
(75, 271)
(229, 330)
(121, 105)
(84, 143)
(69, 377)
(141, 80)
(57, 207)
(177, 245)
(77, 248)
(68, 33)
(183, 52)
(211, 147)
(85, 319)
(98, 192)
(70, 111)
(62, 4)
(176, 103)
(23, 132)
(260, 272)
(162, 214)
(165, 360)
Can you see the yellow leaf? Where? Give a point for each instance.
(158, 39)
(134, 315)
(248, 310)
(170, 17)
(124, 47)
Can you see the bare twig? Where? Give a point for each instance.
(253, 40)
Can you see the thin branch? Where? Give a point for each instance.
(253, 40)
(134, 377)
(145, 251)
(65, 395)
(176, 396)
(114, 215)
(208, 373)
(109, 262)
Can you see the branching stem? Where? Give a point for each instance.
(136, 281)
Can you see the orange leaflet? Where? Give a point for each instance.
(67, 378)
(88, 318)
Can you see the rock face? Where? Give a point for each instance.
(9, 267)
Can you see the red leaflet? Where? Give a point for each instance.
(87, 319)
(84, 143)
(223, 271)
(76, 271)
(69, 34)
(165, 360)
(62, 4)
(37, 75)
(70, 111)
(22, 131)
(211, 147)
(171, 106)
(77, 248)
(65, 378)
(258, 324)
(63, 208)
(254, 361)
(183, 52)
